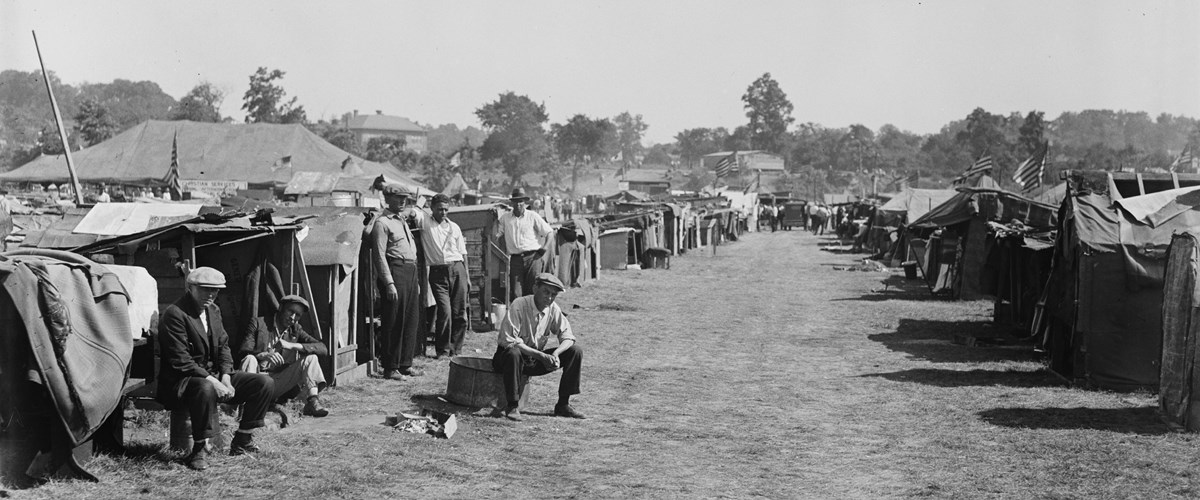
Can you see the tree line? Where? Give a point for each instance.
(516, 139)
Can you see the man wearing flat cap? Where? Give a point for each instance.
(395, 256)
(522, 350)
(526, 236)
(279, 347)
(196, 369)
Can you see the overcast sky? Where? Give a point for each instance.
(680, 64)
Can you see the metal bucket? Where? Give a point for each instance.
(472, 383)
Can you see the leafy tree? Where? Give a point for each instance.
(1033, 130)
(516, 139)
(857, 147)
(25, 108)
(660, 154)
(584, 140)
(128, 102)
(447, 139)
(898, 150)
(94, 122)
(384, 148)
(740, 140)
(263, 101)
(770, 113)
(629, 134)
(201, 104)
(694, 143)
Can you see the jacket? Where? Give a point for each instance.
(187, 350)
(258, 339)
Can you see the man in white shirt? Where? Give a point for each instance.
(521, 347)
(526, 236)
(446, 255)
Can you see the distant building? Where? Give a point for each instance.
(748, 161)
(367, 127)
(645, 181)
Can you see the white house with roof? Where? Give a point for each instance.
(367, 127)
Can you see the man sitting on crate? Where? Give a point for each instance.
(196, 369)
(281, 348)
(521, 347)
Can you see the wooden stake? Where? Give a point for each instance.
(62, 132)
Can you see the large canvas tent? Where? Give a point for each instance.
(262, 155)
(1104, 299)
(907, 206)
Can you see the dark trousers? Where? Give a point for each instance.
(252, 390)
(512, 364)
(449, 286)
(523, 268)
(402, 318)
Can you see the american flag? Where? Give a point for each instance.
(1029, 174)
(727, 164)
(172, 180)
(982, 164)
(1185, 160)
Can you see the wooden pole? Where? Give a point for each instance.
(62, 132)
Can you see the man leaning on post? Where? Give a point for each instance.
(526, 236)
(521, 347)
(196, 369)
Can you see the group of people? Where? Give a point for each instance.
(277, 356)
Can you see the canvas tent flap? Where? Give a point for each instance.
(915, 203)
(121, 219)
(335, 234)
(1155, 209)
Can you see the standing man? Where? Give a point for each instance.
(196, 369)
(446, 255)
(396, 268)
(526, 236)
(279, 347)
(521, 347)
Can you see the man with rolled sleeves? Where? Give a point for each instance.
(278, 346)
(446, 256)
(526, 236)
(521, 347)
(395, 251)
(196, 369)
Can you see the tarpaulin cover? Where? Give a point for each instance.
(334, 236)
(1179, 382)
(257, 153)
(914, 203)
(74, 320)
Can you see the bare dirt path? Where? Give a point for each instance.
(758, 372)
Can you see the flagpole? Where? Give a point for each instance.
(62, 132)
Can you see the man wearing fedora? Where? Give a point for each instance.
(521, 347)
(526, 236)
(278, 346)
(196, 369)
(395, 254)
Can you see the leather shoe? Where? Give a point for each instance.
(243, 442)
(411, 372)
(513, 414)
(394, 375)
(313, 408)
(198, 460)
(567, 411)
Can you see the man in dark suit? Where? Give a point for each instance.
(279, 347)
(196, 369)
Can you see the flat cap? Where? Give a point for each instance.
(549, 280)
(293, 299)
(206, 277)
(392, 189)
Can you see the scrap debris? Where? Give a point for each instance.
(867, 265)
(430, 422)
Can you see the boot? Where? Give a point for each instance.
(313, 408)
(198, 459)
(243, 442)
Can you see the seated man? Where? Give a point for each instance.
(281, 348)
(196, 369)
(521, 349)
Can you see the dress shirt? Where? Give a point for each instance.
(525, 324)
(393, 241)
(524, 233)
(443, 243)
